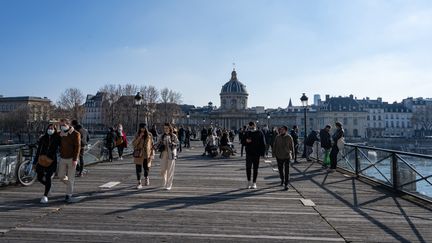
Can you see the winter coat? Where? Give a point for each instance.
(257, 146)
(48, 145)
(110, 140)
(70, 144)
(123, 135)
(311, 138)
(283, 147)
(170, 142)
(294, 136)
(325, 139)
(146, 147)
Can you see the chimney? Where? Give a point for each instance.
(379, 99)
(351, 96)
(327, 97)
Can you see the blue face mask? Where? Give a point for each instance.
(50, 131)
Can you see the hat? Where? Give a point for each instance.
(142, 125)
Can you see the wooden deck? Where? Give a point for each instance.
(209, 203)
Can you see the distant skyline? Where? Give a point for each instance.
(283, 48)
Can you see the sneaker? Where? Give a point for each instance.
(121, 158)
(139, 186)
(254, 186)
(44, 199)
(147, 181)
(249, 185)
(168, 188)
(72, 199)
(67, 198)
(286, 188)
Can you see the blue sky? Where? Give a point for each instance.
(373, 48)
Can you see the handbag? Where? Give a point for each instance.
(44, 160)
(119, 141)
(137, 153)
(161, 147)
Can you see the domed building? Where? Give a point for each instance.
(233, 95)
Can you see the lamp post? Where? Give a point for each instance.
(304, 101)
(138, 102)
(187, 117)
(268, 120)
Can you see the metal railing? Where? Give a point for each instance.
(10, 158)
(405, 172)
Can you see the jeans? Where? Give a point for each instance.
(47, 173)
(67, 169)
(120, 150)
(252, 161)
(138, 169)
(283, 167)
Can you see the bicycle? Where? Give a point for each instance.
(25, 173)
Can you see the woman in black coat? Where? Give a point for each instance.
(48, 145)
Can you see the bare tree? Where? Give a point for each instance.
(71, 101)
(422, 119)
(170, 100)
(150, 96)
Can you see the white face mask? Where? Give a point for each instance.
(64, 128)
(120, 128)
(50, 131)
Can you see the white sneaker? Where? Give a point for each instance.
(44, 199)
(168, 188)
(139, 186)
(249, 185)
(254, 186)
(121, 158)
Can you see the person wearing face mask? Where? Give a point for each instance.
(110, 139)
(70, 146)
(143, 153)
(168, 141)
(121, 141)
(255, 148)
(48, 145)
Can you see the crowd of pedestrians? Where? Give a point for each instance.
(62, 148)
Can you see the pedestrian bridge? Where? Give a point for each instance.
(209, 202)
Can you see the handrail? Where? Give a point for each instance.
(401, 174)
(425, 156)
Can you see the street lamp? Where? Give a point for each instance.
(188, 116)
(268, 120)
(138, 102)
(304, 101)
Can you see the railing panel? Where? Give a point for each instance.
(376, 165)
(346, 159)
(415, 175)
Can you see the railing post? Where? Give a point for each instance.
(395, 171)
(357, 161)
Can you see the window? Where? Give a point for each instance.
(355, 121)
(355, 133)
(374, 118)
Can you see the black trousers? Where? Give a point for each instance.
(110, 155)
(120, 150)
(241, 150)
(283, 167)
(252, 162)
(333, 156)
(138, 169)
(80, 167)
(295, 152)
(44, 176)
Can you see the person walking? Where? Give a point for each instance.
(337, 139)
(70, 146)
(154, 133)
(110, 143)
(121, 141)
(326, 144)
(310, 140)
(283, 148)
(188, 135)
(143, 154)
(84, 141)
(181, 136)
(255, 148)
(294, 135)
(204, 136)
(167, 145)
(242, 139)
(48, 146)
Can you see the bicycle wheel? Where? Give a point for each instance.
(26, 176)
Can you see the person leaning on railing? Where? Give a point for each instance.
(337, 139)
